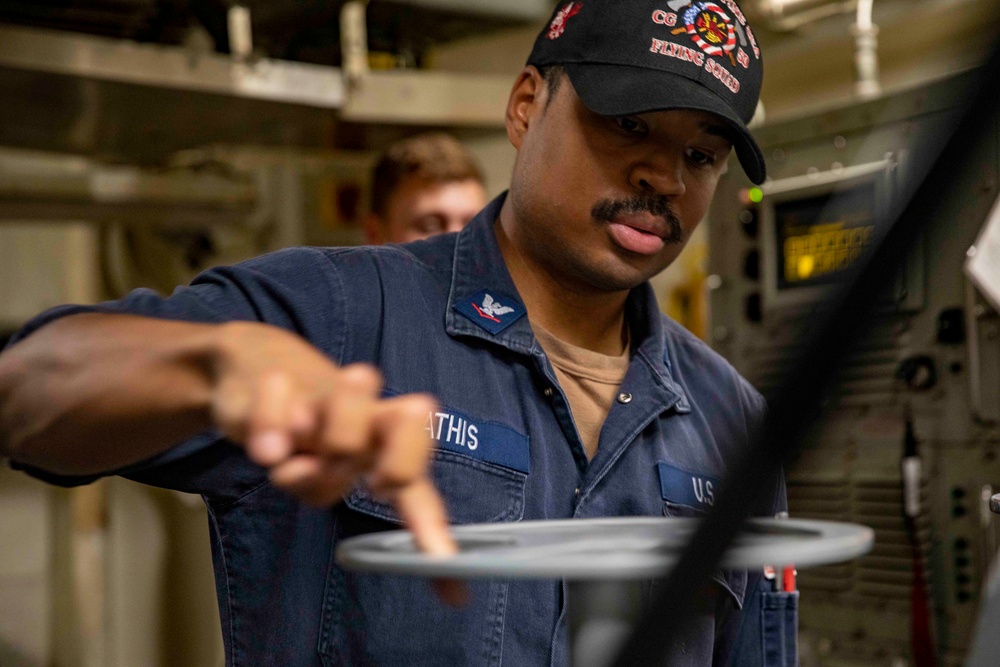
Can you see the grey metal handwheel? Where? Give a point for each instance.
(606, 562)
(601, 549)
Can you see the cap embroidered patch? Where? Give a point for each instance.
(713, 31)
(490, 310)
(558, 25)
(687, 488)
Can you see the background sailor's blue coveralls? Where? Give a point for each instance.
(508, 450)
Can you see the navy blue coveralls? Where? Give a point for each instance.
(443, 316)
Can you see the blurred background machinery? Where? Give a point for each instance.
(144, 140)
(923, 383)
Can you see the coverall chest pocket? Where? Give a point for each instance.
(376, 619)
(686, 493)
(692, 495)
(473, 491)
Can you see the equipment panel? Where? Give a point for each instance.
(921, 383)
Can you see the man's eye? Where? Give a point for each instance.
(631, 125)
(701, 158)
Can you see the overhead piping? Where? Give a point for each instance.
(354, 41)
(866, 51)
(790, 15)
(240, 34)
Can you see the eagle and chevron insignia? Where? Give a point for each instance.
(490, 311)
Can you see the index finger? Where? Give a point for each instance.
(422, 510)
(403, 444)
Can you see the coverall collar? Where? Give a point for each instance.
(479, 270)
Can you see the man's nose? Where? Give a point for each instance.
(658, 175)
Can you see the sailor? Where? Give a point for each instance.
(314, 394)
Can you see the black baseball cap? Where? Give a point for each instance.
(630, 57)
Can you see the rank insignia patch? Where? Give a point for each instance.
(490, 310)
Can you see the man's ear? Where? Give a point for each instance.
(526, 99)
(374, 229)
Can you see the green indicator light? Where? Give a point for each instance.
(756, 195)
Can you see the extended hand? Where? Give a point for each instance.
(319, 428)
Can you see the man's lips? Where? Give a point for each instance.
(644, 222)
(640, 233)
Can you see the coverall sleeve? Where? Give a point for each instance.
(297, 289)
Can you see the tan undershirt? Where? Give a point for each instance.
(590, 381)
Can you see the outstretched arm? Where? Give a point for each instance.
(96, 392)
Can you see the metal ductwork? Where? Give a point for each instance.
(790, 15)
(137, 80)
(785, 15)
(305, 31)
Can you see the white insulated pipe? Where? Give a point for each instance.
(866, 51)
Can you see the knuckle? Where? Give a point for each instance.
(346, 429)
(345, 441)
(224, 414)
(229, 412)
(274, 384)
(361, 377)
(273, 378)
(416, 406)
(270, 393)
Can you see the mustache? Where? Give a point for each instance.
(607, 210)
